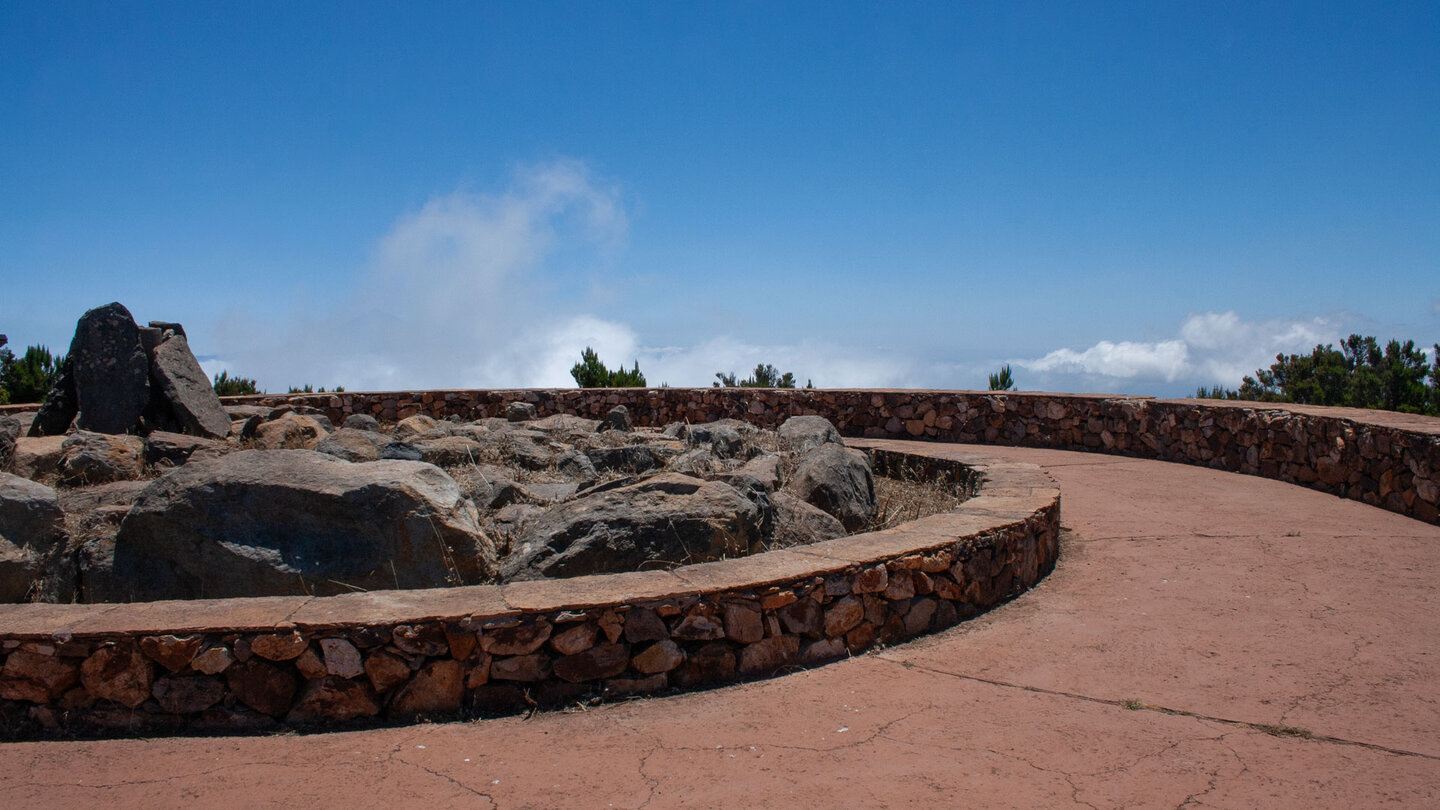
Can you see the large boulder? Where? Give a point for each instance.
(188, 390)
(260, 523)
(38, 457)
(837, 480)
(801, 434)
(33, 565)
(99, 458)
(663, 520)
(173, 449)
(291, 431)
(111, 370)
(797, 523)
(354, 444)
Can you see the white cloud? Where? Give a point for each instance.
(454, 296)
(1211, 348)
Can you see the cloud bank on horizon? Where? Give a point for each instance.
(486, 291)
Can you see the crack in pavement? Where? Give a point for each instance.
(1268, 728)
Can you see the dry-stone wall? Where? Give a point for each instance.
(399, 655)
(1384, 459)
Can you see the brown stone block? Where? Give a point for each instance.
(119, 673)
(842, 615)
(182, 617)
(644, 624)
(662, 656)
(187, 695)
(742, 623)
(427, 639)
(709, 664)
(804, 617)
(264, 687)
(402, 607)
(755, 571)
(768, 655)
(522, 639)
(525, 668)
(172, 652)
(438, 688)
(544, 596)
(575, 639)
(601, 661)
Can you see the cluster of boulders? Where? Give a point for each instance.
(123, 378)
(289, 504)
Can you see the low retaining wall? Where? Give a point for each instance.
(1385, 459)
(255, 663)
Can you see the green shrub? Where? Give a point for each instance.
(1002, 380)
(591, 373)
(29, 377)
(227, 386)
(764, 376)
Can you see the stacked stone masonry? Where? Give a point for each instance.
(1384, 459)
(243, 664)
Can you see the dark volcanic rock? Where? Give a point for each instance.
(188, 390)
(32, 543)
(805, 433)
(797, 523)
(174, 449)
(59, 408)
(356, 445)
(261, 523)
(361, 421)
(632, 458)
(668, 518)
(98, 458)
(112, 373)
(837, 480)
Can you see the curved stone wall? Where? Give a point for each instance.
(255, 663)
(1385, 459)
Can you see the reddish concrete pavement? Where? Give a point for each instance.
(1207, 640)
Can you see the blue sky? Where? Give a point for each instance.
(1123, 197)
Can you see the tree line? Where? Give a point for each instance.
(1361, 373)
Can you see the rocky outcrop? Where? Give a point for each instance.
(32, 543)
(665, 519)
(112, 373)
(121, 378)
(296, 522)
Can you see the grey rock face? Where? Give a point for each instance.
(355, 445)
(361, 421)
(665, 519)
(632, 458)
(805, 433)
(617, 419)
(188, 390)
(174, 449)
(797, 523)
(32, 543)
(722, 440)
(112, 373)
(837, 480)
(260, 523)
(520, 412)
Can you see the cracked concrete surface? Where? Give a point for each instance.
(1207, 640)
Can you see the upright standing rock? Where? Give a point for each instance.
(112, 373)
(190, 393)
